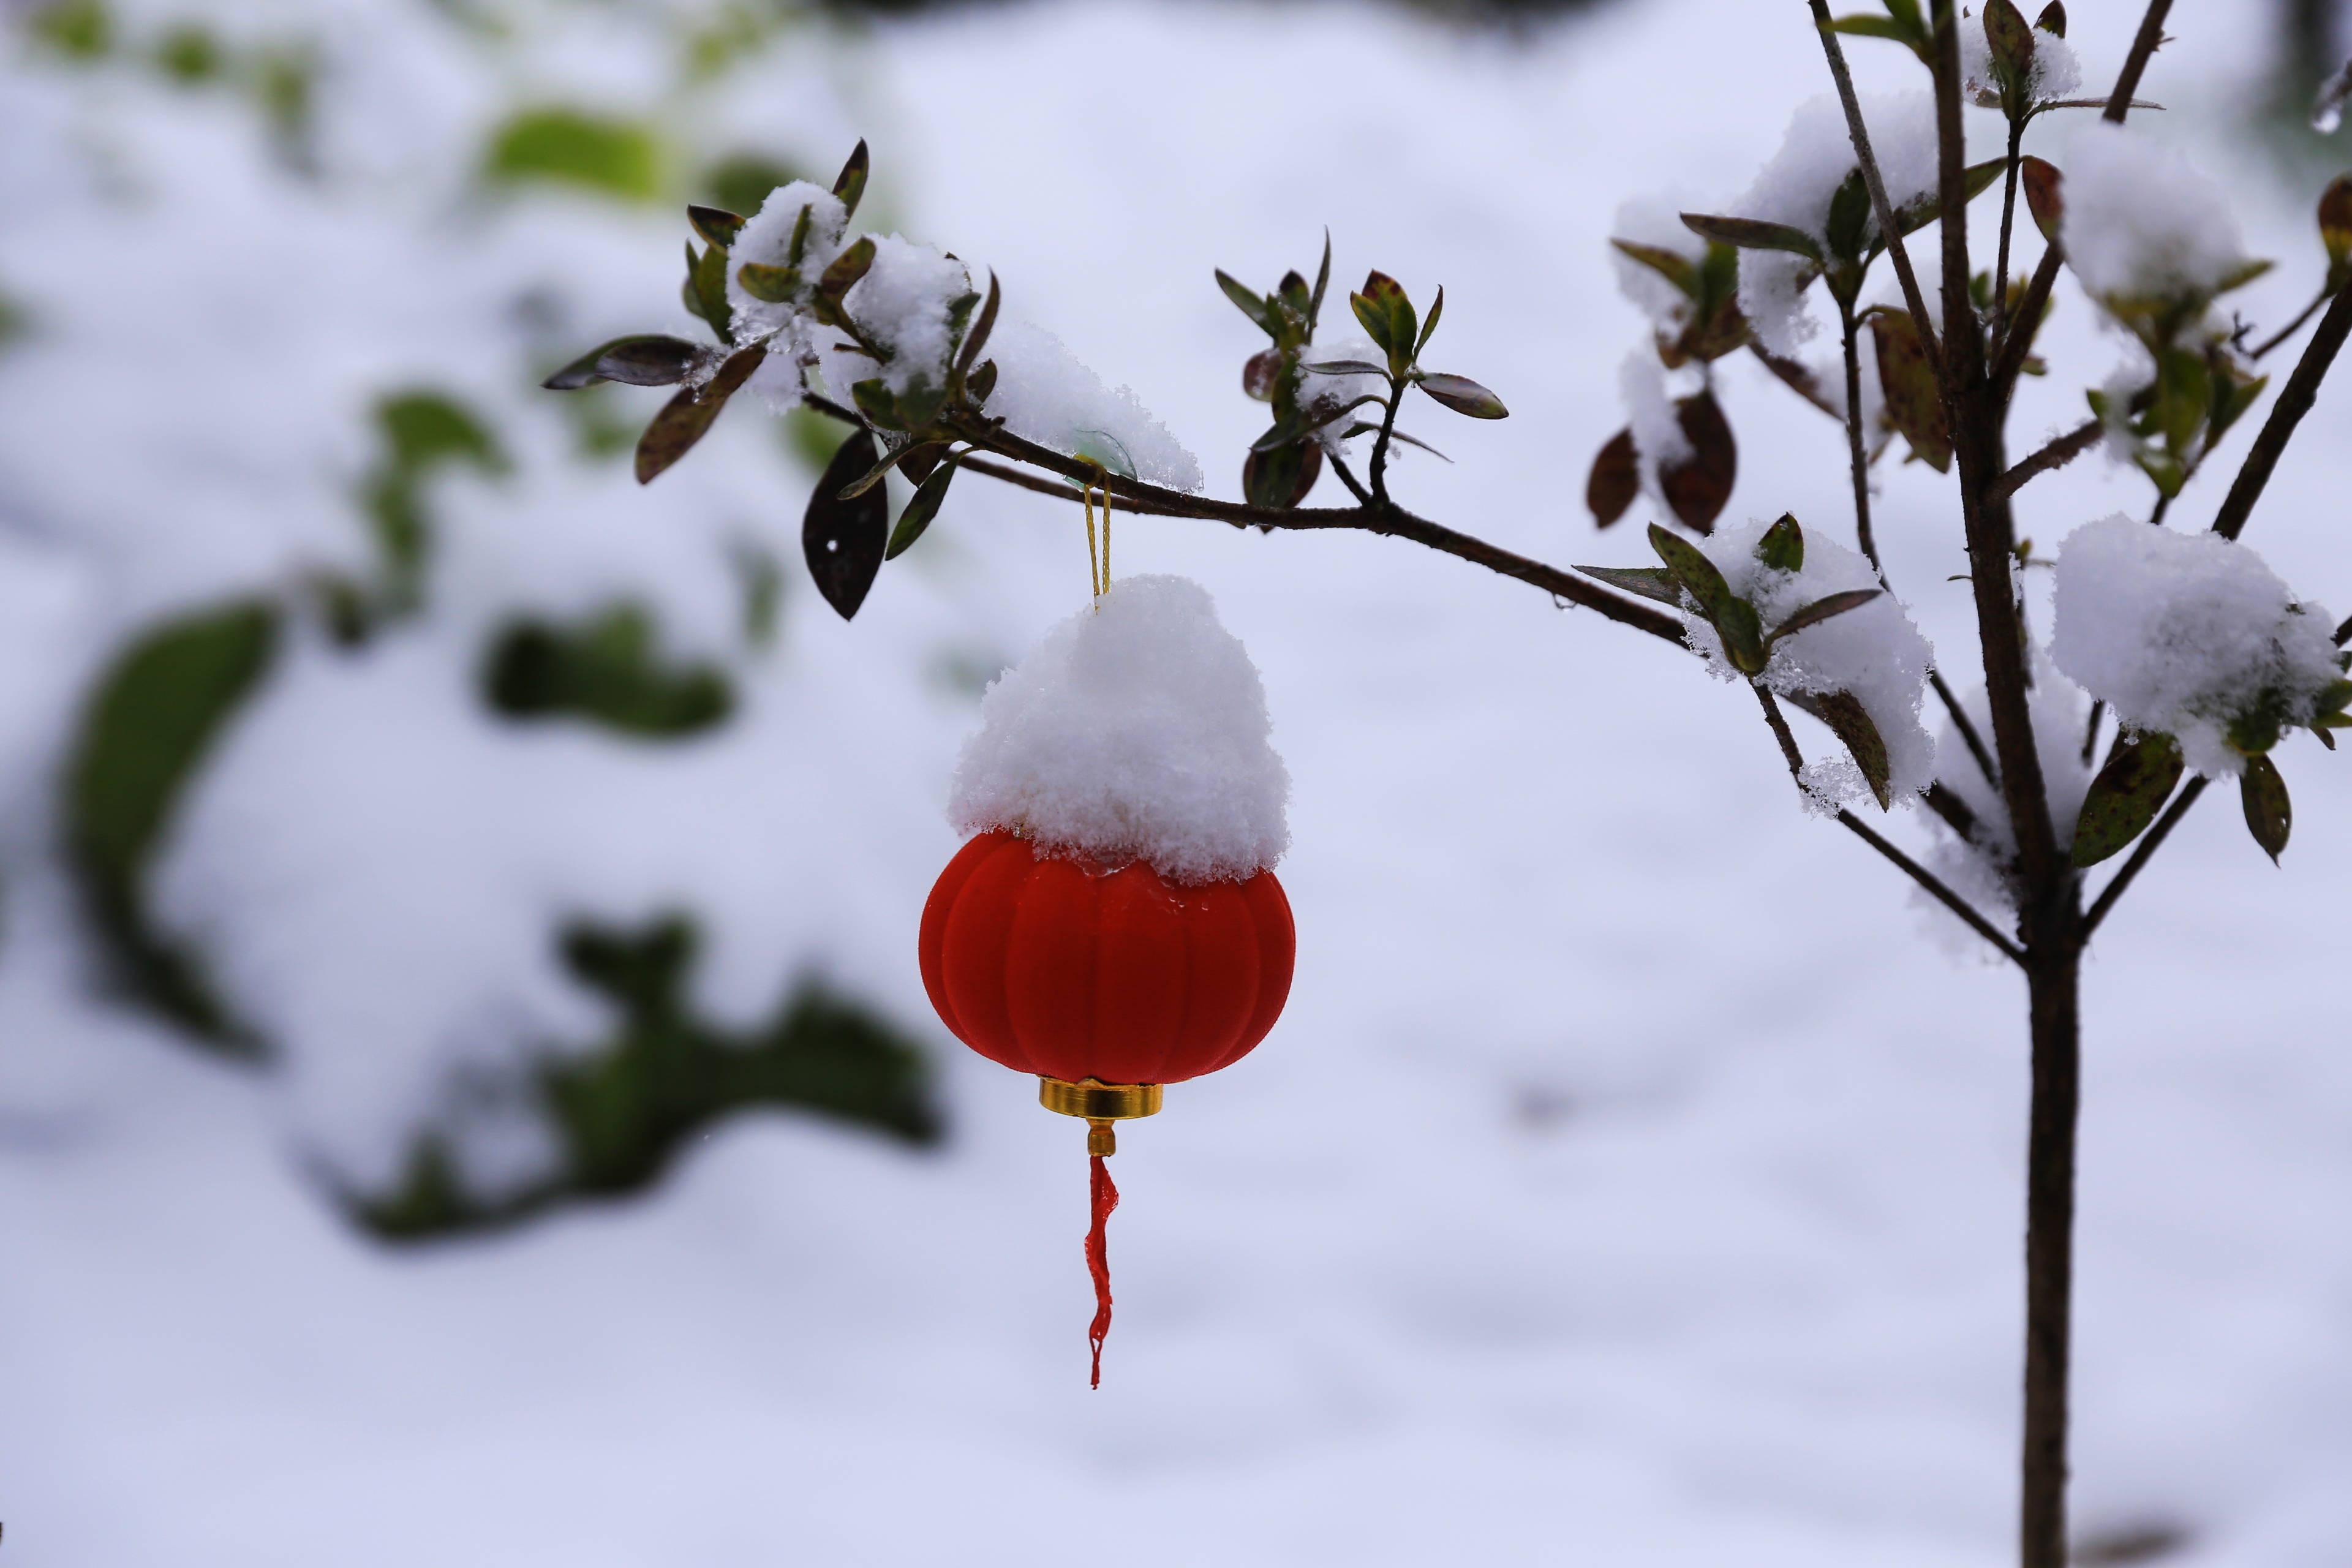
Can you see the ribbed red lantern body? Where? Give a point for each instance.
(1053, 967)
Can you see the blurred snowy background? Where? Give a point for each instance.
(466, 1094)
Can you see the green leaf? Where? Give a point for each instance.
(878, 404)
(1322, 282)
(717, 226)
(1671, 265)
(685, 418)
(1842, 711)
(2012, 46)
(646, 359)
(2052, 19)
(1650, 582)
(573, 147)
(705, 289)
(840, 279)
(1615, 480)
(2184, 395)
(2239, 276)
(1383, 299)
(1753, 234)
(2269, 816)
(1782, 548)
(1913, 401)
(1975, 180)
(1259, 310)
(1743, 637)
(2335, 225)
(1429, 327)
(920, 509)
(981, 382)
(153, 716)
(1822, 609)
(776, 285)
(1850, 217)
(607, 670)
(850, 185)
(2133, 787)
(844, 540)
(1345, 367)
(913, 454)
(976, 339)
(1694, 571)
(1464, 395)
(1871, 28)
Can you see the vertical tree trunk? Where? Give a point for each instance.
(2054, 970)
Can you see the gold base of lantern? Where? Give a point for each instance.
(1100, 1104)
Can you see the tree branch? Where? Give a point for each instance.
(2292, 327)
(2147, 847)
(1969, 735)
(1863, 831)
(1876, 184)
(2060, 452)
(2295, 402)
(1856, 457)
(2150, 37)
(1152, 500)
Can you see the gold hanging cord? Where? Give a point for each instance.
(1098, 569)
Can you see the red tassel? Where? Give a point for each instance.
(1104, 1197)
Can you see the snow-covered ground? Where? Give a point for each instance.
(1634, 1178)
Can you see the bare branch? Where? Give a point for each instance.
(1863, 831)
(2292, 327)
(2294, 403)
(1857, 457)
(1877, 183)
(2151, 37)
(2147, 847)
(2016, 342)
(2060, 452)
(1969, 735)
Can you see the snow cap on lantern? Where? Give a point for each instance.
(1137, 730)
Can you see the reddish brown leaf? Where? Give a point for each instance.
(684, 419)
(1697, 489)
(2044, 198)
(1914, 404)
(1616, 479)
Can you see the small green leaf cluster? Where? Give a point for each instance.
(1691, 582)
(1284, 462)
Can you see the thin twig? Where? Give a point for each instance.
(2060, 452)
(2019, 340)
(2155, 514)
(1856, 457)
(1969, 735)
(2294, 403)
(2147, 847)
(2150, 37)
(1347, 478)
(1863, 831)
(2091, 732)
(2008, 218)
(1152, 500)
(1876, 184)
(2292, 327)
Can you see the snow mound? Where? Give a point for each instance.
(2185, 632)
(1045, 395)
(1875, 652)
(2141, 223)
(1137, 729)
(1796, 186)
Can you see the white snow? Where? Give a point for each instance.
(1875, 652)
(2057, 73)
(1137, 729)
(1659, 439)
(1795, 186)
(1338, 390)
(767, 239)
(2183, 633)
(2061, 716)
(2141, 222)
(1045, 395)
(1625, 1183)
(902, 303)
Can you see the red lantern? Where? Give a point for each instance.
(1105, 982)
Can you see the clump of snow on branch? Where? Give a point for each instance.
(766, 239)
(1875, 652)
(1319, 395)
(1137, 729)
(904, 306)
(2187, 634)
(2056, 73)
(1971, 867)
(1043, 394)
(1796, 186)
(2142, 225)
